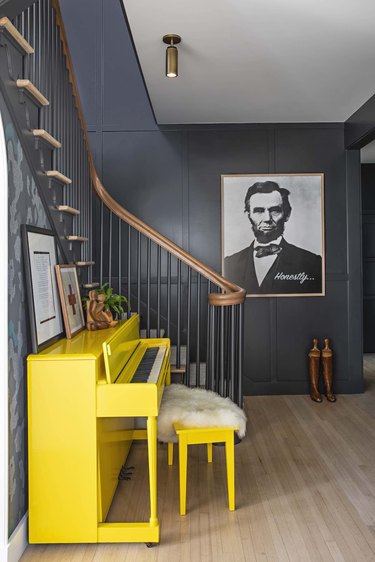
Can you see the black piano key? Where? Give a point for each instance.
(145, 365)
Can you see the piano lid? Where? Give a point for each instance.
(119, 347)
(84, 343)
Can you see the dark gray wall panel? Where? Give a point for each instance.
(83, 27)
(369, 280)
(354, 253)
(369, 236)
(258, 330)
(368, 187)
(368, 325)
(12, 8)
(95, 140)
(143, 172)
(299, 321)
(212, 153)
(125, 101)
(320, 150)
(368, 255)
(360, 127)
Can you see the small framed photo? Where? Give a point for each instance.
(40, 257)
(273, 233)
(70, 298)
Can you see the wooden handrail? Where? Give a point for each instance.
(232, 293)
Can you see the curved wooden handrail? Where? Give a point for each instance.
(232, 293)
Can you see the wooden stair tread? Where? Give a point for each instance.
(58, 176)
(32, 90)
(5, 23)
(67, 209)
(41, 133)
(84, 263)
(75, 238)
(90, 285)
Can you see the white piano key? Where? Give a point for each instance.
(156, 367)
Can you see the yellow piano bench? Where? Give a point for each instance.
(196, 436)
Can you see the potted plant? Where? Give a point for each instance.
(112, 301)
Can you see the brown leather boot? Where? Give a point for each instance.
(327, 362)
(314, 365)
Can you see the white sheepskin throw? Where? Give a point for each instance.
(196, 407)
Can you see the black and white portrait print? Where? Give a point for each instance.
(273, 233)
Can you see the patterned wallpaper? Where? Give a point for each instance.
(24, 206)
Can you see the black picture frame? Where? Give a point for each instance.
(40, 257)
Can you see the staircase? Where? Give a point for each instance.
(34, 119)
(174, 293)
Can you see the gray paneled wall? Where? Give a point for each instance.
(170, 177)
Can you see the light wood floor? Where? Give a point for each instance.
(305, 491)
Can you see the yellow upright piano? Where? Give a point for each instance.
(83, 396)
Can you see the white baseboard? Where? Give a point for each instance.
(18, 541)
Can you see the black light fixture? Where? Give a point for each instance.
(171, 58)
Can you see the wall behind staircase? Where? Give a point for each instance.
(170, 177)
(25, 207)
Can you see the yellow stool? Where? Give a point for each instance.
(196, 436)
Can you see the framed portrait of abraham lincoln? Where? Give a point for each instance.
(272, 233)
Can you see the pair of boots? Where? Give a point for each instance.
(314, 371)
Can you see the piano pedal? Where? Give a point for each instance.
(125, 473)
(151, 544)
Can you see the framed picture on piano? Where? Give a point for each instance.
(70, 298)
(40, 258)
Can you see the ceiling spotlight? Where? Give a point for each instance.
(171, 60)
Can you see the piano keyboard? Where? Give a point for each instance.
(149, 368)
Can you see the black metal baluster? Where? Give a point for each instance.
(178, 339)
(48, 64)
(34, 57)
(80, 187)
(55, 126)
(158, 297)
(119, 259)
(129, 270)
(39, 48)
(43, 78)
(139, 273)
(208, 354)
(227, 342)
(148, 270)
(217, 349)
(222, 344)
(198, 329)
(168, 334)
(188, 329)
(84, 200)
(90, 223)
(240, 353)
(26, 33)
(110, 250)
(232, 377)
(101, 242)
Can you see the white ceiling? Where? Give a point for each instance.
(257, 61)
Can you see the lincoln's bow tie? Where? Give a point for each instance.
(270, 250)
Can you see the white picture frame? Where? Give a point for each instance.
(300, 236)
